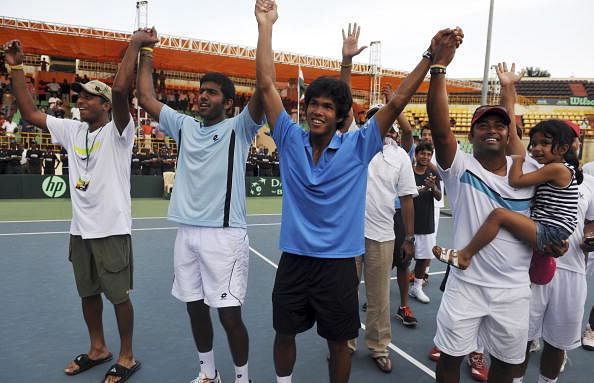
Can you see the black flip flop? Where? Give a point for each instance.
(85, 363)
(122, 372)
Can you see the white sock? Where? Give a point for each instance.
(544, 379)
(241, 374)
(518, 380)
(418, 284)
(283, 379)
(207, 363)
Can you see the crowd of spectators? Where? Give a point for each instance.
(16, 159)
(261, 163)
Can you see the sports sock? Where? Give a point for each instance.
(241, 374)
(518, 380)
(283, 379)
(418, 284)
(544, 379)
(207, 363)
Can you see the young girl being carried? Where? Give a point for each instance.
(553, 214)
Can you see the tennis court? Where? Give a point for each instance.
(42, 328)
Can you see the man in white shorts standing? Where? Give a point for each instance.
(490, 299)
(428, 187)
(211, 249)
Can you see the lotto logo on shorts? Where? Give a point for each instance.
(223, 295)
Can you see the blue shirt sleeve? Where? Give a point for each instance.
(369, 141)
(281, 130)
(171, 122)
(245, 126)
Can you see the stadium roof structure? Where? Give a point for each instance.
(190, 55)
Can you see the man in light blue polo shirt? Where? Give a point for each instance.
(208, 201)
(324, 179)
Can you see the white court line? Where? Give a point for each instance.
(139, 218)
(138, 229)
(391, 346)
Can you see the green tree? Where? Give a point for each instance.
(536, 72)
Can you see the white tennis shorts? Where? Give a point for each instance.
(211, 264)
(423, 246)
(557, 308)
(498, 316)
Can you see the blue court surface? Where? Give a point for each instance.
(41, 325)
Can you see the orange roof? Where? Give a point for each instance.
(105, 49)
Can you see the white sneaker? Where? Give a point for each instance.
(203, 379)
(535, 346)
(419, 294)
(588, 339)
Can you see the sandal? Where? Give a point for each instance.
(85, 363)
(122, 372)
(384, 363)
(449, 256)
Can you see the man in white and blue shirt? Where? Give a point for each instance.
(208, 202)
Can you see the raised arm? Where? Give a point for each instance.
(14, 57)
(437, 99)
(508, 81)
(145, 89)
(386, 116)
(256, 107)
(406, 133)
(122, 83)
(266, 15)
(350, 49)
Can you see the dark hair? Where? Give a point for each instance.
(560, 134)
(425, 127)
(223, 81)
(424, 146)
(335, 89)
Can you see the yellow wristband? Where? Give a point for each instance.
(346, 65)
(438, 66)
(147, 49)
(17, 67)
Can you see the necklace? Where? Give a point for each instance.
(88, 154)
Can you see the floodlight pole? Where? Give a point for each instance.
(485, 89)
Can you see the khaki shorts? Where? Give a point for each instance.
(102, 265)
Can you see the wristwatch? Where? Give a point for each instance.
(410, 238)
(428, 55)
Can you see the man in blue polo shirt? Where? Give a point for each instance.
(324, 179)
(211, 248)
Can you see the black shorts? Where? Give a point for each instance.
(322, 290)
(397, 260)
